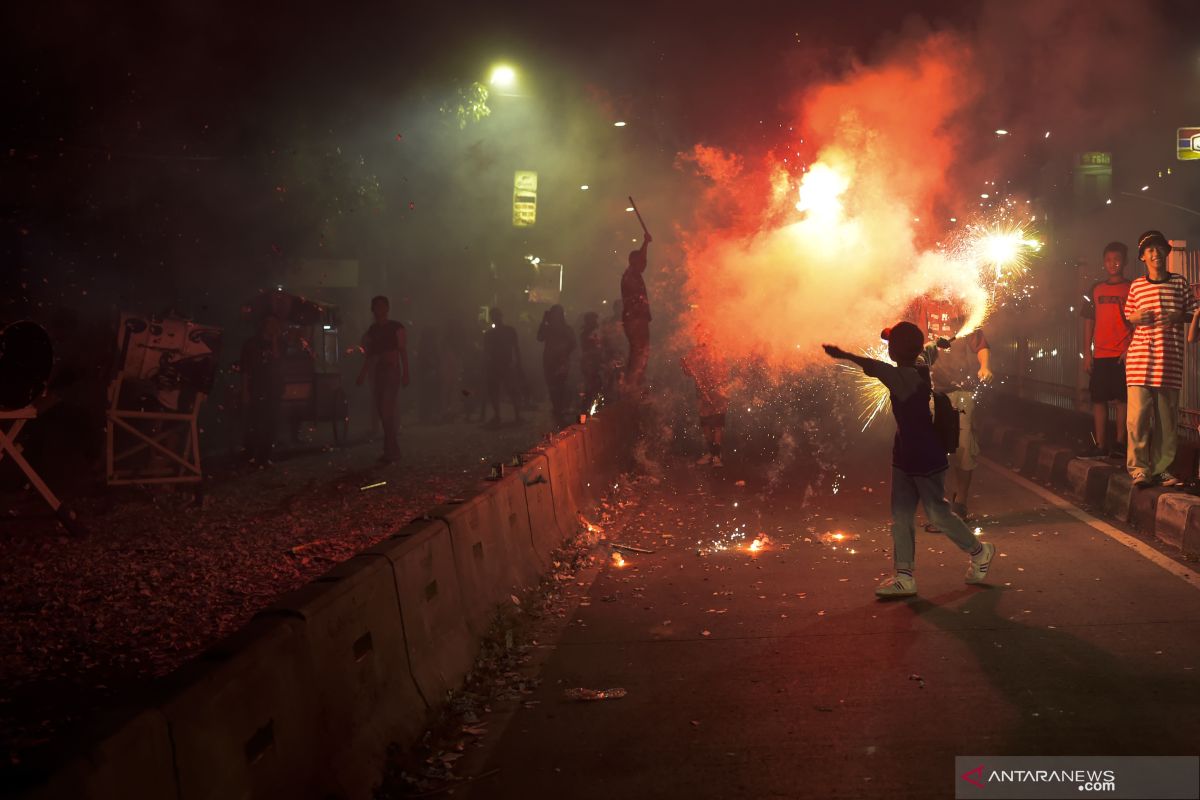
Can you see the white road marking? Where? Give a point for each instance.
(1141, 548)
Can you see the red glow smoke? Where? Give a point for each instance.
(817, 238)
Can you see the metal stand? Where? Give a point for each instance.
(171, 436)
(9, 447)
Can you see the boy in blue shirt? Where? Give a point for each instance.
(918, 461)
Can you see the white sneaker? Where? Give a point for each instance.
(978, 568)
(705, 459)
(716, 461)
(899, 585)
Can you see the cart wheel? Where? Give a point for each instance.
(70, 521)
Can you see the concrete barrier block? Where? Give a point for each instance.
(996, 437)
(562, 482)
(1087, 481)
(441, 647)
(1052, 464)
(1143, 511)
(244, 721)
(1118, 496)
(1177, 514)
(1025, 453)
(139, 746)
(489, 569)
(512, 514)
(547, 532)
(364, 686)
(577, 443)
(1008, 443)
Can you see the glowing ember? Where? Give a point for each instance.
(618, 560)
(760, 543)
(837, 537)
(589, 527)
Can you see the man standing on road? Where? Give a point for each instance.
(635, 315)
(386, 346)
(1158, 305)
(954, 370)
(1108, 335)
(501, 365)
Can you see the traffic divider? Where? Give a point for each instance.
(1025, 453)
(244, 721)
(561, 458)
(365, 693)
(1087, 481)
(140, 745)
(547, 532)
(491, 565)
(439, 643)
(1177, 522)
(1052, 464)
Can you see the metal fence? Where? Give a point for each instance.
(1044, 362)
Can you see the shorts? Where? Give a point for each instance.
(966, 457)
(713, 421)
(1108, 381)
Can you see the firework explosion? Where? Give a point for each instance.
(819, 239)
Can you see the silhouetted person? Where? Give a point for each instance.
(262, 387)
(590, 359)
(386, 347)
(559, 342)
(501, 365)
(612, 349)
(636, 315)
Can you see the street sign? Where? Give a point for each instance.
(1187, 144)
(524, 198)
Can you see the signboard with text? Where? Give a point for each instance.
(524, 198)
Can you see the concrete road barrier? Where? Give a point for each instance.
(439, 642)
(1143, 510)
(365, 694)
(1118, 496)
(140, 745)
(1025, 453)
(547, 532)
(244, 720)
(490, 568)
(1177, 522)
(561, 458)
(1052, 464)
(1087, 481)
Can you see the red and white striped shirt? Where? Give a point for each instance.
(1155, 356)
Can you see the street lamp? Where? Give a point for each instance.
(503, 76)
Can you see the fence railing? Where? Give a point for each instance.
(1044, 362)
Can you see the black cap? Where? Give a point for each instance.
(1151, 238)
(905, 337)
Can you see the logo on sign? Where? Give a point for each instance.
(1188, 144)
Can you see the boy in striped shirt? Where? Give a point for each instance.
(1158, 305)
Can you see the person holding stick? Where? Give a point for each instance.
(635, 310)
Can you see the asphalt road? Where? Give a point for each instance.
(778, 673)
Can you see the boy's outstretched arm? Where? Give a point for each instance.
(833, 351)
